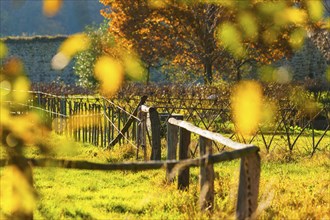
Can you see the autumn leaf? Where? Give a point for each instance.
(246, 106)
(71, 46)
(51, 7)
(110, 73)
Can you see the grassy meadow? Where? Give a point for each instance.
(289, 189)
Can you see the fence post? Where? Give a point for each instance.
(63, 114)
(142, 133)
(172, 141)
(138, 132)
(247, 201)
(155, 134)
(183, 178)
(206, 175)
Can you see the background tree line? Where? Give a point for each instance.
(211, 38)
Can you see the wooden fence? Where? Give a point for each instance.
(179, 133)
(88, 119)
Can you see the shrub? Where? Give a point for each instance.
(84, 61)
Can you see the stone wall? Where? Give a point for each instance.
(37, 53)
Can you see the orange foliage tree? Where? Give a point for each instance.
(208, 35)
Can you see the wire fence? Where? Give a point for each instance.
(104, 122)
(289, 125)
(87, 119)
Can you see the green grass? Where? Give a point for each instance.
(298, 189)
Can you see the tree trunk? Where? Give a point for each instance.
(238, 76)
(148, 75)
(208, 73)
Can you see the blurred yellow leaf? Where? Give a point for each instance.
(110, 73)
(13, 67)
(25, 127)
(77, 121)
(133, 67)
(268, 111)
(5, 116)
(269, 36)
(326, 23)
(295, 15)
(266, 73)
(11, 140)
(21, 86)
(270, 8)
(249, 25)
(246, 104)
(5, 88)
(282, 75)
(297, 38)
(74, 44)
(71, 46)
(16, 192)
(327, 74)
(60, 61)
(157, 3)
(3, 50)
(51, 7)
(230, 37)
(315, 10)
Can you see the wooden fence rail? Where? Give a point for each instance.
(249, 168)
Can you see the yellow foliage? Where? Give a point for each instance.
(51, 7)
(246, 106)
(16, 193)
(3, 50)
(302, 100)
(110, 73)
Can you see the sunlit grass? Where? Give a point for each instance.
(298, 189)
